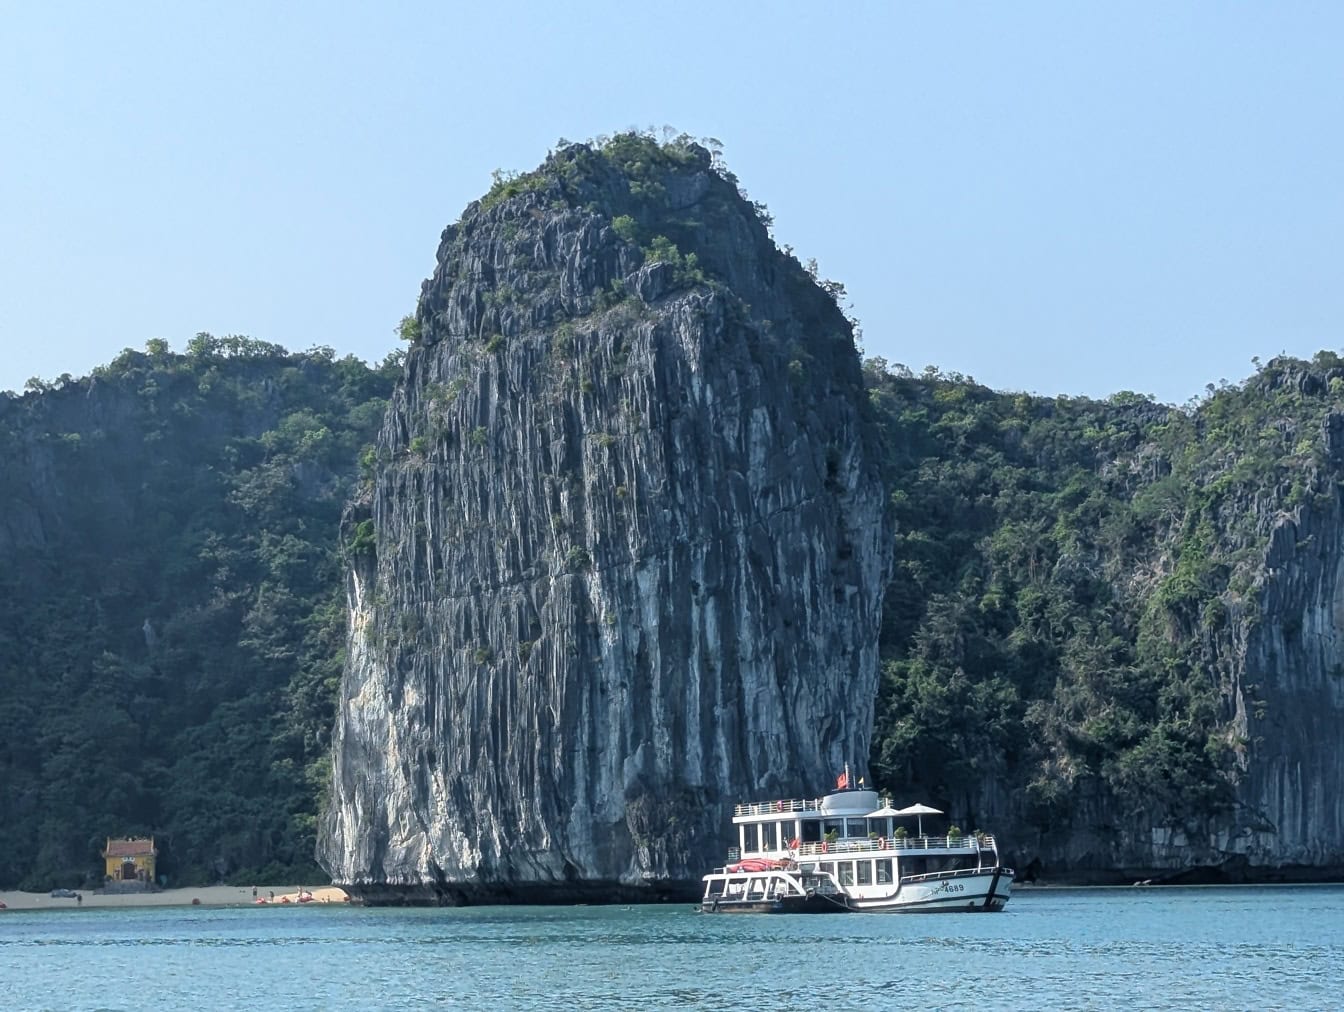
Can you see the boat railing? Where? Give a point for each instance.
(786, 805)
(982, 842)
(958, 873)
(781, 806)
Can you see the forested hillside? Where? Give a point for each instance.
(1076, 583)
(174, 619)
(1107, 619)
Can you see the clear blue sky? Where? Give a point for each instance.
(1063, 198)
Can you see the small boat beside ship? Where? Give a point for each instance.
(844, 853)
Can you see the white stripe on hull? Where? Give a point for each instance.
(955, 893)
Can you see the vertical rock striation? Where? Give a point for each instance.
(1117, 632)
(1285, 656)
(622, 562)
(1276, 659)
(1279, 665)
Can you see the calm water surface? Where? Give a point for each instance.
(1235, 948)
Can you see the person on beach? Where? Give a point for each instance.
(254, 892)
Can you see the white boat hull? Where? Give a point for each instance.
(777, 891)
(985, 891)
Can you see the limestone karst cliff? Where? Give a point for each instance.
(1115, 629)
(1288, 687)
(622, 562)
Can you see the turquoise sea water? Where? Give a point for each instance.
(1240, 948)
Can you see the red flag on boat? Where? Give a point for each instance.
(842, 781)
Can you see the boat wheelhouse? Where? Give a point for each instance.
(846, 852)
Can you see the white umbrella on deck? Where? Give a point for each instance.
(919, 811)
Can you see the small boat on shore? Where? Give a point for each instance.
(844, 854)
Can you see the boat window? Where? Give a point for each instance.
(846, 873)
(836, 826)
(811, 831)
(856, 829)
(884, 871)
(865, 873)
(769, 836)
(828, 867)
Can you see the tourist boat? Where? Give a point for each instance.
(844, 854)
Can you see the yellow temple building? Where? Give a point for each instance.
(131, 860)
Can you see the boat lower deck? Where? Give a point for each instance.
(815, 904)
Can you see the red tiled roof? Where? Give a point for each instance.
(130, 848)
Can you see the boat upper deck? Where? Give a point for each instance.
(854, 803)
(981, 841)
(845, 822)
(912, 845)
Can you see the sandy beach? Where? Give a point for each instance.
(205, 896)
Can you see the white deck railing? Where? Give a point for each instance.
(860, 846)
(983, 842)
(781, 806)
(786, 805)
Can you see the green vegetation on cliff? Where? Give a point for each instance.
(672, 203)
(173, 635)
(1071, 577)
(1067, 573)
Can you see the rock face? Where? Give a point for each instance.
(627, 546)
(1282, 674)
(1131, 665)
(1278, 662)
(1289, 697)
(1280, 665)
